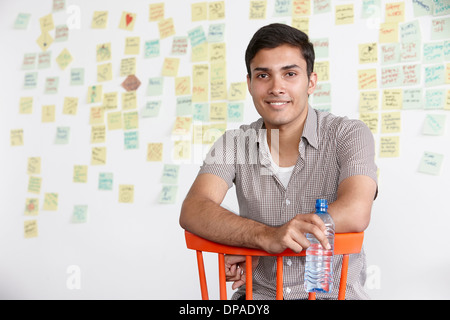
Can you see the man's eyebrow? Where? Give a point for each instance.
(290, 66)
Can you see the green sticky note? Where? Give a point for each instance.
(434, 125)
(131, 140)
(22, 21)
(235, 112)
(168, 195)
(170, 174)
(200, 112)
(431, 163)
(155, 86)
(79, 214)
(151, 109)
(77, 77)
(62, 135)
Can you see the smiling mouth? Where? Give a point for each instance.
(277, 104)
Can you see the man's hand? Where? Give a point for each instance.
(235, 269)
(292, 234)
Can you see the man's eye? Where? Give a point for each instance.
(291, 74)
(262, 75)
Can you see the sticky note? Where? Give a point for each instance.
(440, 29)
(50, 201)
(98, 133)
(26, 105)
(22, 20)
(16, 137)
(237, 91)
(44, 60)
(30, 229)
(129, 100)
(199, 11)
(434, 125)
(196, 36)
(235, 112)
(392, 99)
(31, 206)
(391, 77)
(34, 165)
(59, 5)
(132, 45)
(322, 68)
(127, 66)
(182, 86)
(34, 184)
(301, 23)
(217, 52)
(103, 52)
(388, 32)
(110, 100)
(105, 181)
(166, 28)
(282, 9)
(184, 106)
(151, 109)
(410, 31)
(51, 85)
(368, 101)
(155, 152)
(391, 122)
(395, 12)
(76, 76)
(200, 112)
(367, 79)
(433, 52)
(200, 52)
(151, 49)
(344, 14)
(114, 120)
(371, 120)
(130, 120)
(126, 193)
(44, 40)
(182, 150)
(61, 33)
(321, 47)
(216, 32)
(434, 75)
(95, 94)
(422, 8)
(46, 23)
(213, 132)
(30, 80)
(412, 99)
(48, 113)
(156, 11)
(390, 53)
(155, 86)
(301, 8)
(170, 67)
(80, 214)
(62, 135)
(368, 53)
(96, 115)
(216, 10)
(218, 111)
(389, 147)
(179, 45)
(410, 51)
(200, 92)
(434, 99)
(182, 126)
(98, 156)
(170, 174)
(70, 105)
(80, 173)
(431, 163)
(127, 21)
(104, 72)
(168, 195)
(322, 6)
(322, 94)
(131, 140)
(99, 20)
(29, 61)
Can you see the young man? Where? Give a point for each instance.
(280, 164)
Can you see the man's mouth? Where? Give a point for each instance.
(278, 104)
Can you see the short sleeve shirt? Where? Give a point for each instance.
(331, 149)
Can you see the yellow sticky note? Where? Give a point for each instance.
(182, 150)
(218, 111)
(46, 23)
(301, 23)
(218, 90)
(155, 152)
(64, 59)
(368, 101)
(199, 11)
(114, 120)
(129, 100)
(80, 173)
(31, 207)
(301, 8)
(368, 53)
(132, 45)
(371, 120)
(26, 105)
(130, 120)
(367, 79)
(166, 28)
(395, 12)
(34, 184)
(110, 100)
(213, 132)
(447, 101)
(389, 147)
(95, 94)
(97, 115)
(98, 156)
(98, 134)
(30, 229)
(70, 105)
(216, 10)
(200, 52)
(237, 91)
(258, 9)
(392, 99)
(217, 52)
(170, 67)
(104, 72)
(388, 32)
(322, 68)
(126, 193)
(391, 122)
(182, 126)
(127, 21)
(200, 73)
(99, 20)
(51, 201)
(103, 52)
(182, 86)
(200, 92)
(128, 67)
(344, 14)
(48, 113)
(44, 40)
(156, 11)
(16, 137)
(34, 165)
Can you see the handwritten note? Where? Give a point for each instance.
(80, 173)
(98, 156)
(127, 66)
(26, 105)
(368, 53)
(168, 195)
(21, 21)
(50, 201)
(368, 101)
(391, 122)
(48, 113)
(30, 229)
(99, 20)
(434, 125)
(80, 214)
(126, 193)
(388, 32)
(395, 12)
(70, 105)
(235, 112)
(151, 49)
(104, 52)
(105, 181)
(156, 11)
(31, 206)
(367, 79)
(34, 165)
(199, 11)
(344, 14)
(371, 120)
(392, 99)
(431, 163)
(131, 140)
(98, 133)
(216, 10)
(170, 174)
(170, 67)
(132, 45)
(114, 120)
(166, 28)
(104, 72)
(389, 147)
(127, 21)
(155, 152)
(16, 137)
(62, 135)
(34, 184)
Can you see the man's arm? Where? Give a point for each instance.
(352, 209)
(202, 215)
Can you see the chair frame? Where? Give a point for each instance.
(344, 244)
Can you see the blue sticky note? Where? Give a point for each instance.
(105, 181)
(434, 75)
(200, 112)
(168, 195)
(235, 112)
(30, 81)
(151, 49)
(131, 140)
(80, 214)
(170, 174)
(197, 36)
(216, 32)
(434, 125)
(434, 99)
(433, 52)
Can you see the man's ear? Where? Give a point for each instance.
(312, 83)
(249, 82)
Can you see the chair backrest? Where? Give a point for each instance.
(344, 244)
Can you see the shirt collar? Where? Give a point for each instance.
(309, 129)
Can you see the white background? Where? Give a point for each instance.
(137, 251)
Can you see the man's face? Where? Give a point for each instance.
(279, 86)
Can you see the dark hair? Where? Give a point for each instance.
(275, 35)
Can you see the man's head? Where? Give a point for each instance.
(275, 35)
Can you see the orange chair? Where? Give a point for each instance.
(344, 243)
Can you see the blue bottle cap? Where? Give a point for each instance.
(321, 203)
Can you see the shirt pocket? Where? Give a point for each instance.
(308, 202)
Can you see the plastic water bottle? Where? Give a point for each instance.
(319, 261)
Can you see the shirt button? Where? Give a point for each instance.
(288, 202)
(288, 290)
(289, 262)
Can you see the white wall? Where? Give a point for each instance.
(137, 250)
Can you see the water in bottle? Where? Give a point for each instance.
(319, 261)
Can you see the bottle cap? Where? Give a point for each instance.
(321, 203)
